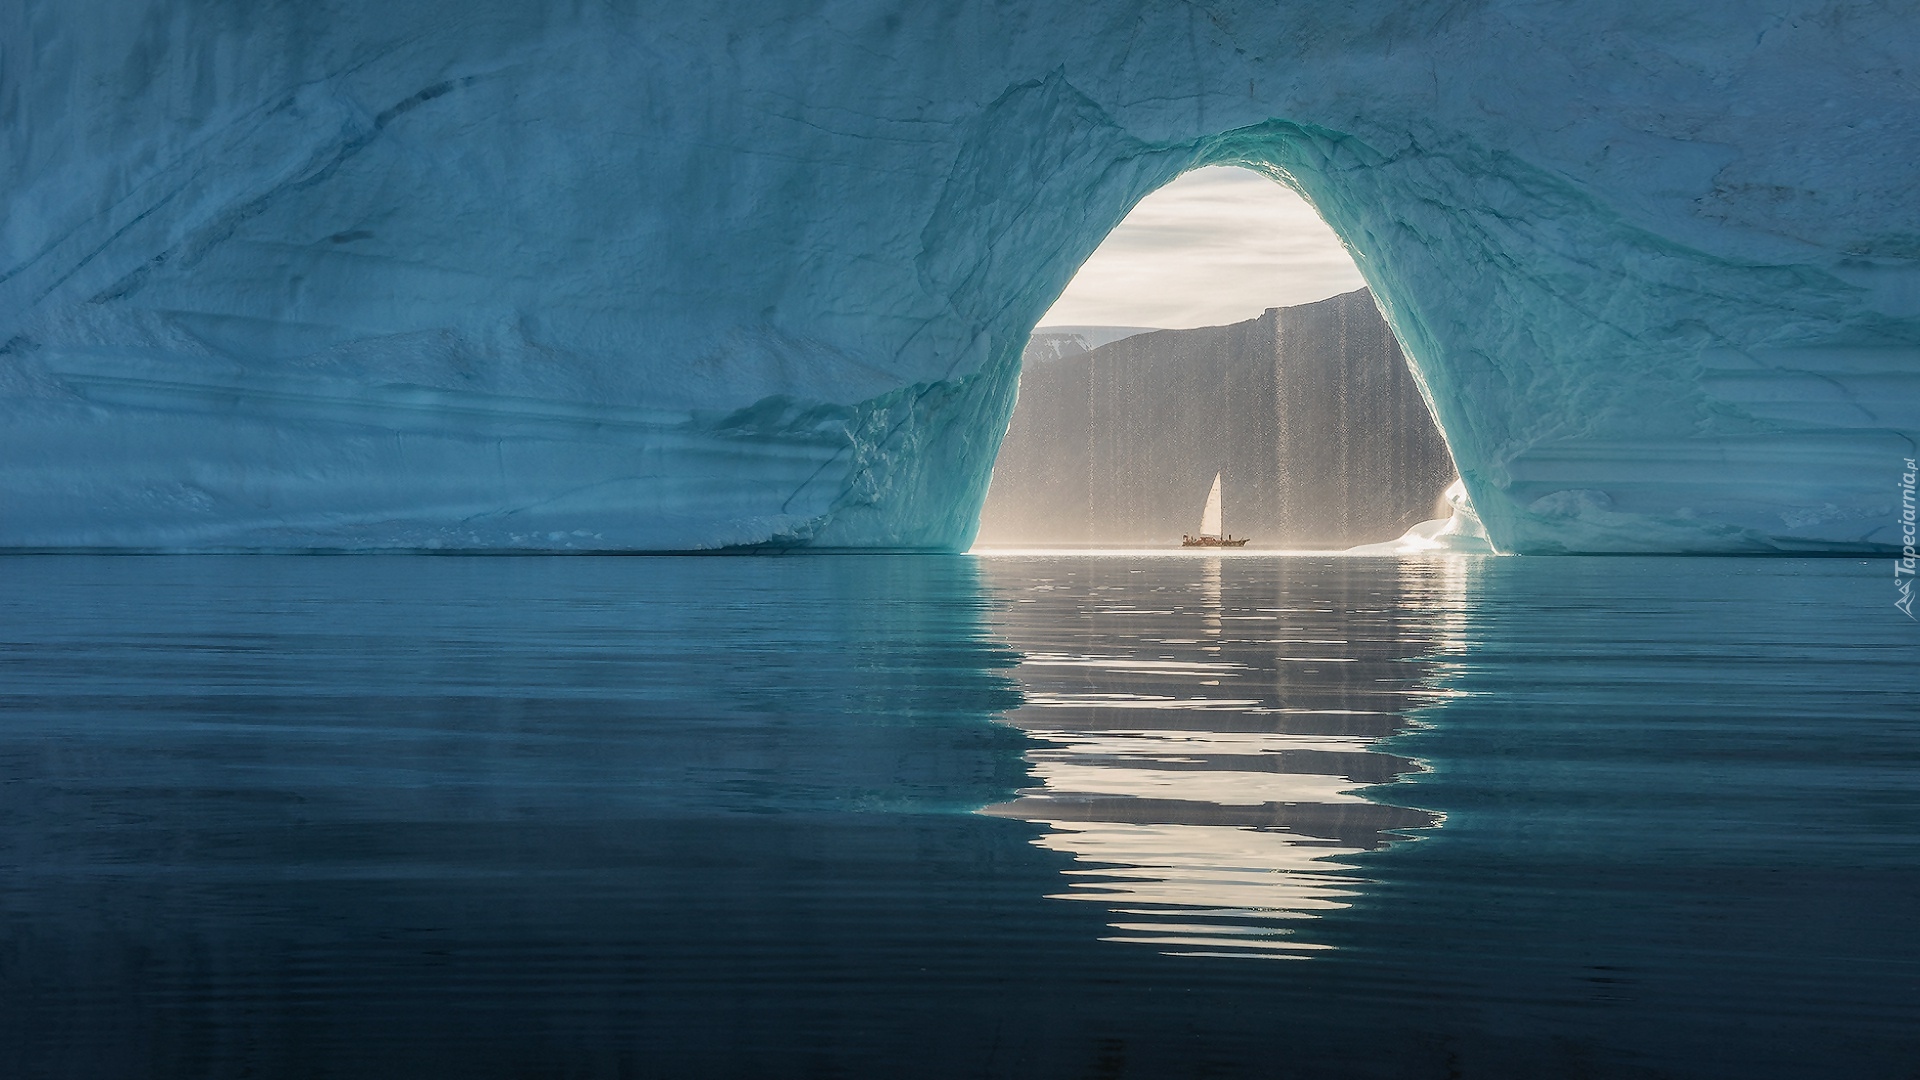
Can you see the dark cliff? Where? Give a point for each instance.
(1309, 412)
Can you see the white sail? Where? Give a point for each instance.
(1210, 517)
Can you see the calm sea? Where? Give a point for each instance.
(1009, 816)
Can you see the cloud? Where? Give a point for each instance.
(1216, 246)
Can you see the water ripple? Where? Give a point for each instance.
(1199, 760)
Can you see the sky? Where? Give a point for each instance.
(1216, 246)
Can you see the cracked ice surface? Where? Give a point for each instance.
(662, 276)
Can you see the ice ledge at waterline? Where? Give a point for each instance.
(682, 276)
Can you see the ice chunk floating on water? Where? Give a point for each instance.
(482, 275)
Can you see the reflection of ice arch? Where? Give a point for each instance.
(1194, 890)
(1200, 840)
(485, 274)
(1204, 749)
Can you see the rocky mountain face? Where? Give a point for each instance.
(1309, 413)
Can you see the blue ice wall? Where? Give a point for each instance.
(669, 276)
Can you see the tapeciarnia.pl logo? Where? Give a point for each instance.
(1903, 566)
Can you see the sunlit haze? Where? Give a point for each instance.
(1216, 246)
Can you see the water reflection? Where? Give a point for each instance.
(587, 817)
(392, 817)
(1205, 732)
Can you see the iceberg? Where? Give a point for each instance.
(647, 276)
(1459, 533)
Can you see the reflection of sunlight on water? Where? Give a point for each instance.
(1442, 584)
(1203, 731)
(1210, 596)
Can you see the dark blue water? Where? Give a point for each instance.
(913, 816)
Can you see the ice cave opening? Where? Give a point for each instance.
(501, 278)
(1221, 330)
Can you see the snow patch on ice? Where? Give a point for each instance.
(1459, 533)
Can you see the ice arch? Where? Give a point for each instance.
(673, 276)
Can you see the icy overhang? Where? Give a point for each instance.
(665, 276)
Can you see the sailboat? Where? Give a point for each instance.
(1211, 535)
